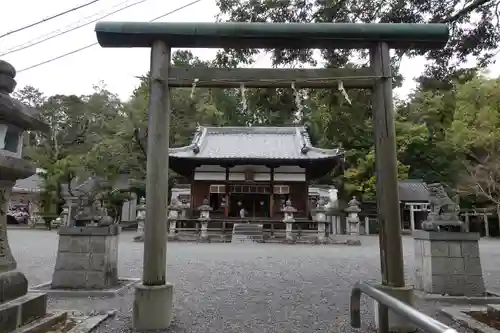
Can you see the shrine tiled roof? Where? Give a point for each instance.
(284, 143)
(33, 183)
(413, 190)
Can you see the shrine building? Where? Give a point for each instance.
(254, 168)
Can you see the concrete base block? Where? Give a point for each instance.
(153, 307)
(448, 263)
(397, 323)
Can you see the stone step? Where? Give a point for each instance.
(247, 233)
(22, 310)
(51, 322)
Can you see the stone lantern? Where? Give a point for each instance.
(353, 220)
(15, 119)
(204, 218)
(141, 219)
(320, 218)
(288, 218)
(174, 210)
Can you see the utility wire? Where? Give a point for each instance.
(48, 18)
(93, 44)
(33, 42)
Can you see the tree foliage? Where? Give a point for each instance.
(447, 129)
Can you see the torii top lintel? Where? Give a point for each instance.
(272, 35)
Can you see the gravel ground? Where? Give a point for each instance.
(243, 288)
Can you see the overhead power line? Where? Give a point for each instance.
(23, 47)
(94, 44)
(49, 18)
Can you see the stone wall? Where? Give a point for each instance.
(448, 263)
(87, 258)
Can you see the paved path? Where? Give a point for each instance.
(243, 288)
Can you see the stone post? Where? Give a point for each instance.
(320, 218)
(288, 218)
(141, 219)
(204, 218)
(353, 217)
(174, 210)
(17, 307)
(367, 225)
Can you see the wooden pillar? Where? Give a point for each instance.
(226, 209)
(271, 193)
(155, 230)
(391, 247)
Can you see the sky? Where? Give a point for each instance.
(117, 68)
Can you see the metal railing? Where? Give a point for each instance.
(386, 302)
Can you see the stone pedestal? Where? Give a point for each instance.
(397, 323)
(321, 236)
(204, 232)
(87, 258)
(448, 263)
(289, 233)
(172, 229)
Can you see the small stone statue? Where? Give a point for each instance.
(444, 212)
(101, 215)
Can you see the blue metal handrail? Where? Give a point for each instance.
(419, 319)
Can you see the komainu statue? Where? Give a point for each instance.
(444, 212)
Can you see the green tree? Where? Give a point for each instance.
(475, 131)
(77, 123)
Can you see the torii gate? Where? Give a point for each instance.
(154, 297)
